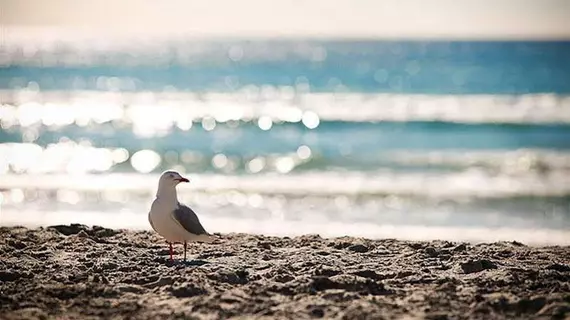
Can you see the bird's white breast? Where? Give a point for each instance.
(160, 216)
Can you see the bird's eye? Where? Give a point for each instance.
(172, 176)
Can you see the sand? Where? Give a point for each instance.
(79, 272)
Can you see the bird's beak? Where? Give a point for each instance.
(183, 180)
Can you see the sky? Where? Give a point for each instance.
(487, 19)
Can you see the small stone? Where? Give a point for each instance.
(264, 245)
(477, 266)
(360, 248)
(430, 251)
(472, 266)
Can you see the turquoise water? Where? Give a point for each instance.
(356, 66)
(433, 134)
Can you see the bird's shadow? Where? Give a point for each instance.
(189, 263)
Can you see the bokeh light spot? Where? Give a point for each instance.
(285, 164)
(256, 165)
(145, 161)
(120, 155)
(304, 152)
(310, 119)
(220, 161)
(265, 123)
(208, 123)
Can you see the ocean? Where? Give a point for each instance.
(454, 140)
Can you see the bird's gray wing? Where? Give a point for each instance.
(188, 220)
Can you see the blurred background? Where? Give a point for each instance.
(405, 119)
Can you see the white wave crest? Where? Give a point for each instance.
(280, 104)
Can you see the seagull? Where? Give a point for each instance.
(172, 220)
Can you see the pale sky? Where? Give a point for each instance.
(296, 18)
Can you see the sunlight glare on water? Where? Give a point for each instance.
(264, 123)
(304, 152)
(151, 120)
(310, 119)
(144, 161)
(256, 165)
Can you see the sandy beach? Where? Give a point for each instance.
(79, 272)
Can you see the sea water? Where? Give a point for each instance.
(457, 140)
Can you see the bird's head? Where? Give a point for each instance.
(171, 178)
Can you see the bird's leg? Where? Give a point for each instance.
(171, 251)
(185, 243)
